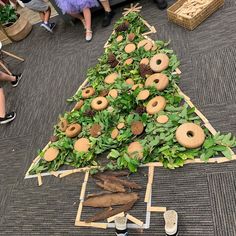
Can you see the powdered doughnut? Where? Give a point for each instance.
(82, 145)
(113, 93)
(159, 62)
(143, 95)
(95, 130)
(144, 61)
(88, 92)
(51, 154)
(114, 133)
(73, 130)
(135, 150)
(121, 125)
(155, 105)
(130, 48)
(159, 80)
(190, 135)
(63, 125)
(146, 44)
(129, 81)
(78, 105)
(129, 61)
(162, 119)
(137, 127)
(119, 38)
(110, 79)
(137, 86)
(99, 103)
(131, 37)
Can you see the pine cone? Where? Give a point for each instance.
(112, 60)
(122, 27)
(140, 110)
(145, 70)
(114, 63)
(89, 113)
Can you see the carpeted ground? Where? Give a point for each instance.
(55, 66)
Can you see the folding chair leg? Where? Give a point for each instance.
(12, 55)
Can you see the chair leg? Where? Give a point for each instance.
(5, 68)
(14, 56)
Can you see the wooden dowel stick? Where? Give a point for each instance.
(79, 212)
(12, 55)
(112, 218)
(156, 209)
(94, 225)
(40, 182)
(134, 220)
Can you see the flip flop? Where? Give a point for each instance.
(171, 223)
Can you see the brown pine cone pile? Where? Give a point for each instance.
(140, 110)
(145, 70)
(122, 27)
(89, 113)
(112, 60)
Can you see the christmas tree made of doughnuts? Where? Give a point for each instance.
(130, 111)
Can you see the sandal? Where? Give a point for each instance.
(88, 35)
(171, 223)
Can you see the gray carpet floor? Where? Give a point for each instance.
(55, 66)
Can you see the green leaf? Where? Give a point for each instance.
(227, 153)
(208, 143)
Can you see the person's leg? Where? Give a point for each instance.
(2, 104)
(47, 15)
(87, 17)
(108, 12)
(14, 79)
(41, 14)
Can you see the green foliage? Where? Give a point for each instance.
(8, 15)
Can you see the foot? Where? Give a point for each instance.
(161, 4)
(88, 35)
(107, 18)
(8, 118)
(171, 223)
(48, 26)
(16, 82)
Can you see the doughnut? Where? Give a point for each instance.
(78, 105)
(137, 86)
(99, 103)
(137, 127)
(114, 133)
(162, 119)
(159, 62)
(147, 44)
(51, 154)
(95, 130)
(113, 93)
(155, 105)
(103, 93)
(82, 145)
(119, 38)
(159, 80)
(129, 61)
(63, 124)
(54, 138)
(121, 125)
(131, 37)
(129, 81)
(130, 48)
(110, 79)
(144, 61)
(154, 47)
(88, 92)
(73, 130)
(135, 150)
(143, 95)
(190, 135)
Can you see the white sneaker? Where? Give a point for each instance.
(171, 223)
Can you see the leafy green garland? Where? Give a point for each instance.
(158, 140)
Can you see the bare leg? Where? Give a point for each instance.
(80, 17)
(106, 5)
(47, 15)
(41, 14)
(87, 17)
(6, 77)
(2, 104)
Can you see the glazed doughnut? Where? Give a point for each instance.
(99, 103)
(73, 130)
(159, 80)
(113, 93)
(129, 81)
(110, 79)
(190, 135)
(88, 92)
(159, 62)
(135, 150)
(137, 86)
(82, 145)
(63, 124)
(154, 47)
(78, 105)
(130, 48)
(144, 61)
(155, 105)
(147, 44)
(129, 61)
(162, 119)
(51, 154)
(143, 95)
(119, 38)
(121, 125)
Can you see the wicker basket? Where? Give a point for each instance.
(192, 23)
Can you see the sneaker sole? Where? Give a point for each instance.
(171, 222)
(8, 121)
(19, 79)
(47, 28)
